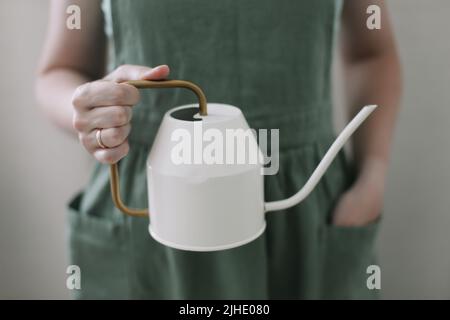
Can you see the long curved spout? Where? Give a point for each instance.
(324, 163)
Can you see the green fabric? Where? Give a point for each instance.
(272, 59)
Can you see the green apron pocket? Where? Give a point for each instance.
(348, 253)
(98, 247)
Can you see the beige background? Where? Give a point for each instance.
(42, 167)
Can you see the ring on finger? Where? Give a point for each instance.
(98, 136)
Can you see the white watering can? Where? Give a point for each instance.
(208, 207)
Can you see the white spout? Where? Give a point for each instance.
(324, 163)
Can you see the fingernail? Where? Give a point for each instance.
(152, 71)
(159, 67)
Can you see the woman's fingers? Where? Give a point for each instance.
(113, 137)
(131, 72)
(110, 137)
(102, 118)
(112, 155)
(109, 91)
(104, 93)
(106, 104)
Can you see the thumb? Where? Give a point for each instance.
(157, 73)
(132, 72)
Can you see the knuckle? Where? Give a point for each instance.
(80, 95)
(119, 74)
(122, 67)
(83, 139)
(120, 94)
(78, 123)
(120, 116)
(116, 136)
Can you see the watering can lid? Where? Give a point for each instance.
(219, 130)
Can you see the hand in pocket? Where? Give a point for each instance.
(360, 205)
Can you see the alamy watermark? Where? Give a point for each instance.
(373, 22)
(232, 147)
(73, 281)
(373, 281)
(73, 21)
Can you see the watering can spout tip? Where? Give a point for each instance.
(371, 107)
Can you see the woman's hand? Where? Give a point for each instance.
(363, 202)
(372, 76)
(106, 104)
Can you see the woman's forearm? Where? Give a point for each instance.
(374, 80)
(69, 59)
(54, 90)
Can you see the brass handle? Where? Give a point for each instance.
(114, 171)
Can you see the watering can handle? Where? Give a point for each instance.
(114, 171)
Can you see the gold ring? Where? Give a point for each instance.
(98, 135)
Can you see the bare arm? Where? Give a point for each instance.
(70, 58)
(372, 74)
(373, 77)
(72, 88)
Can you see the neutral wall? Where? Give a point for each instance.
(415, 240)
(41, 167)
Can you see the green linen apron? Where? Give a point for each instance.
(272, 59)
